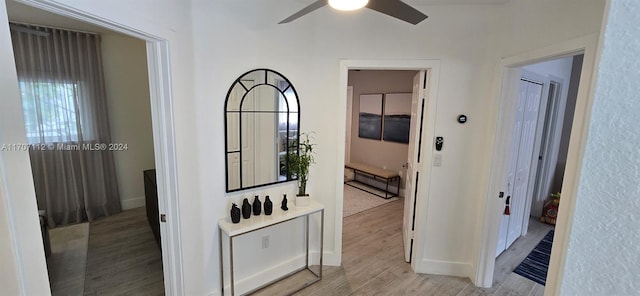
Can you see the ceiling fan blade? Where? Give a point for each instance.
(397, 9)
(311, 7)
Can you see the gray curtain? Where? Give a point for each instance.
(65, 110)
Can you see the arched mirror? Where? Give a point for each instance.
(261, 124)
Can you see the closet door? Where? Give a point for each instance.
(524, 133)
(519, 196)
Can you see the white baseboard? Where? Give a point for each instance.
(450, 268)
(247, 284)
(132, 203)
(329, 259)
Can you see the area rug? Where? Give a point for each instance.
(536, 265)
(356, 201)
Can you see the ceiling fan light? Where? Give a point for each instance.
(347, 5)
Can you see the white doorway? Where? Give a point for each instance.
(508, 88)
(390, 149)
(32, 266)
(543, 117)
(422, 170)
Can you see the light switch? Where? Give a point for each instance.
(437, 160)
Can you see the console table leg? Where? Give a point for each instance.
(221, 261)
(321, 239)
(306, 258)
(233, 289)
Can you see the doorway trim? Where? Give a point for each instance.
(161, 101)
(433, 69)
(506, 72)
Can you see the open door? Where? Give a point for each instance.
(413, 159)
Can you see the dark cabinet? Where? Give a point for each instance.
(151, 200)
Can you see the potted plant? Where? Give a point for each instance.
(550, 209)
(300, 160)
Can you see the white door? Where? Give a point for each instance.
(519, 196)
(347, 140)
(524, 133)
(410, 189)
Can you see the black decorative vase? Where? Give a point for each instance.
(246, 209)
(235, 213)
(268, 206)
(257, 206)
(284, 203)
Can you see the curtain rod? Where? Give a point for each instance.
(20, 25)
(28, 30)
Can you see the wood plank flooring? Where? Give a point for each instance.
(123, 257)
(68, 259)
(373, 264)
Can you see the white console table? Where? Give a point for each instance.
(262, 221)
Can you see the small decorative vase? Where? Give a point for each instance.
(284, 203)
(235, 213)
(246, 209)
(257, 206)
(268, 206)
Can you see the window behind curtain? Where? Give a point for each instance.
(50, 112)
(64, 102)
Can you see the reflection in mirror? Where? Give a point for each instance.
(261, 125)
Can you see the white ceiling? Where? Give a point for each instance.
(438, 2)
(26, 14)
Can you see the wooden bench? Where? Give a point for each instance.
(375, 173)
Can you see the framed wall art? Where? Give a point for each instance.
(397, 117)
(370, 119)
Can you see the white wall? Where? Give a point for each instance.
(524, 26)
(9, 277)
(468, 53)
(23, 265)
(235, 36)
(127, 86)
(559, 67)
(327, 37)
(387, 155)
(572, 96)
(554, 70)
(603, 249)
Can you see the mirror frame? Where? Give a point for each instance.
(226, 131)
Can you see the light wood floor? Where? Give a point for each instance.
(123, 257)
(373, 264)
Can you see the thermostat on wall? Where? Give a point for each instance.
(462, 119)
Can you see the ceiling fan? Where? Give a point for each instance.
(393, 8)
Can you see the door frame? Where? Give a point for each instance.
(505, 74)
(433, 69)
(163, 125)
